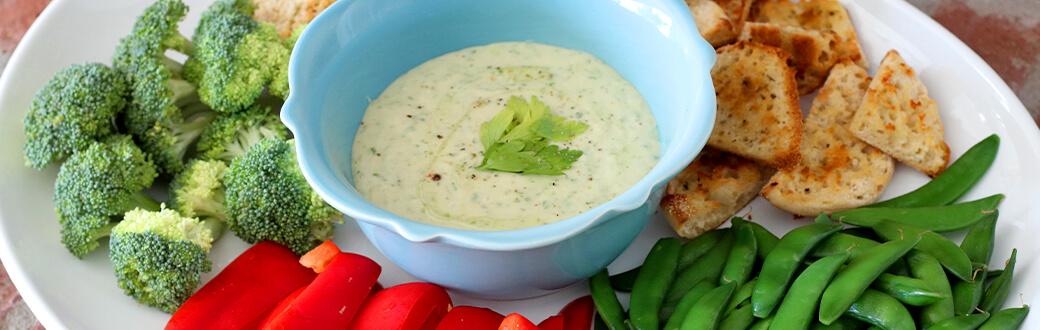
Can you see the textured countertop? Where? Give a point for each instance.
(1005, 33)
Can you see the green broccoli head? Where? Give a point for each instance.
(96, 186)
(269, 199)
(280, 86)
(231, 134)
(198, 191)
(74, 109)
(153, 33)
(235, 58)
(164, 114)
(159, 256)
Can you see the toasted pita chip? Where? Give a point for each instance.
(286, 15)
(712, 22)
(825, 15)
(838, 171)
(758, 116)
(710, 190)
(898, 117)
(813, 51)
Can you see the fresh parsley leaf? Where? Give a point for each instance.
(517, 139)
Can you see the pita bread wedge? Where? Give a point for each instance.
(898, 117)
(813, 51)
(838, 171)
(712, 22)
(710, 190)
(286, 15)
(825, 15)
(758, 115)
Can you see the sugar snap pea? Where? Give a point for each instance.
(699, 246)
(743, 294)
(843, 323)
(978, 242)
(708, 266)
(1010, 318)
(966, 295)
(653, 280)
(707, 312)
(741, 257)
(935, 218)
(606, 301)
(624, 281)
(739, 319)
(908, 290)
(766, 239)
(927, 268)
(881, 310)
(951, 256)
(683, 308)
(782, 263)
(864, 232)
(799, 305)
(842, 242)
(762, 324)
(963, 322)
(998, 291)
(852, 281)
(960, 176)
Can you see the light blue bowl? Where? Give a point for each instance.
(356, 48)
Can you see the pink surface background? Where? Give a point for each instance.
(1005, 33)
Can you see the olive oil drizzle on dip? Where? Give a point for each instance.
(419, 142)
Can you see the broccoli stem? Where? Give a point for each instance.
(139, 199)
(180, 43)
(175, 67)
(216, 227)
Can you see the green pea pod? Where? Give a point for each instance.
(994, 298)
(966, 295)
(909, 290)
(762, 324)
(708, 267)
(978, 243)
(963, 322)
(852, 281)
(683, 308)
(951, 256)
(842, 242)
(935, 218)
(881, 310)
(606, 301)
(797, 309)
(1010, 318)
(782, 263)
(653, 280)
(958, 178)
(843, 323)
(993, 274)
(706, 313)
(927, 268)
(743, 294)
(739, 319)
(698, 246)
(741, 258)
(623, 282)
(822, 218)
(864, 232)
(766, 239)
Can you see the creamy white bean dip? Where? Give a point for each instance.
(419, 141)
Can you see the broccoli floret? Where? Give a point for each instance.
(269, 199)
(153, 33)
(198, 191)
(159, 256)
(74, 109)
(231, 134)
(96, 186)
(280, 86)
(235, 58)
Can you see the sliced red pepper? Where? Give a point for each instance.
(516, 322)
(331, 301)
(320, 257)
(406, 306)
(470, 318)
(578, 314)
(282, 306)
(245, 291)
(555, 322)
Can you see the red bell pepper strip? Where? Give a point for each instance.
(470, 318)
(282, 306)
(245, 291)
(406, 306)
(331, 301)
(517, 322)
(555, 322)
(578, 314)
(319, 257)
